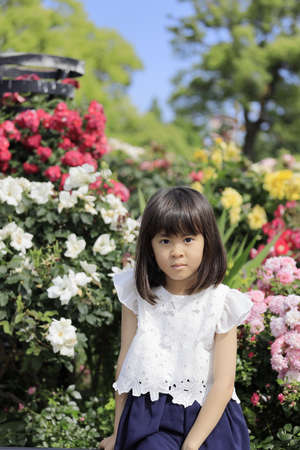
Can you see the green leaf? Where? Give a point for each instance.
(142, 201)
(6, 327)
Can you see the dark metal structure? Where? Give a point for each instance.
(50, 69)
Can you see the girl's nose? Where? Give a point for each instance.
(176, 250)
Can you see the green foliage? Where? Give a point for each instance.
(61, 418)
(244, 57)
(62, 28)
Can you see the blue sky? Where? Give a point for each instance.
(143, 24)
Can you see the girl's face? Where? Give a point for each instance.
(179, 257)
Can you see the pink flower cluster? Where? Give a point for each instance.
(279, 268)
(149, 166)
(256, 316)
(82, 139)
(285, 327)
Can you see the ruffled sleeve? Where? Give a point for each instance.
(236, 308)
(125, 286)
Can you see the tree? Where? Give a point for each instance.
(61, 27)
(246, 57)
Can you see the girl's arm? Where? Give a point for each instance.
(128, 330)
(220, 392)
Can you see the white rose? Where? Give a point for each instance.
(62, 336)
(67, 286)
(3, 249)
(40, 192)
(74, 246)
(80, 176)
(10, 191)
(66, 200)
(21, 240)
(104, 244)
(90, 269)
(116, 204)
(8, 230)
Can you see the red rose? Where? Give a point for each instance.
(33, 141)
(63, 180)
(53, 173)
(28, 119)
(66, 144)
(4, 166)
(44, 153)
(30, 76)
(71, 81)
(72, 158)
(281, 247)
(5, 155)
(30, 168)
(4, 143)
(45, 118)
(88, 159)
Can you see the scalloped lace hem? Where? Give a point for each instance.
(179, 396)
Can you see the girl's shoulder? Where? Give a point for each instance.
(124, 283)
(234, 307)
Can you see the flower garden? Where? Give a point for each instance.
(69, 210)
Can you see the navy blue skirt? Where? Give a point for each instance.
(163, 425)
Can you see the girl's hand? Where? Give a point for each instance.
(187, 445)
(108, 443)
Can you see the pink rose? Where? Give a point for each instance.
(31, 390)
(281, 398)
(196, 176)
(256, 295)
(277, 325)
(255, 399)
(119, 190)
(285, 276)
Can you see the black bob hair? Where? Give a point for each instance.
(175, 211)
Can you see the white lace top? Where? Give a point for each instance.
(172, 351)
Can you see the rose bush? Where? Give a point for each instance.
(64, 230)
(58, 309)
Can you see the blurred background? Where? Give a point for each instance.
(176, 71)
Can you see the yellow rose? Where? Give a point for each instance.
(209, 173)
(292, 187)
(201, 155)
(197, 186)
(257, 217)
(231, 198)
(217, 157)
(235, 214)
(232, 152)
(276, 183)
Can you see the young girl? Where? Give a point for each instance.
(176, 368)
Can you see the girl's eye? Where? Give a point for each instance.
(188, 239)
(164, 241)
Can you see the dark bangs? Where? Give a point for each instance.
(176, 214)
(176, 211)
